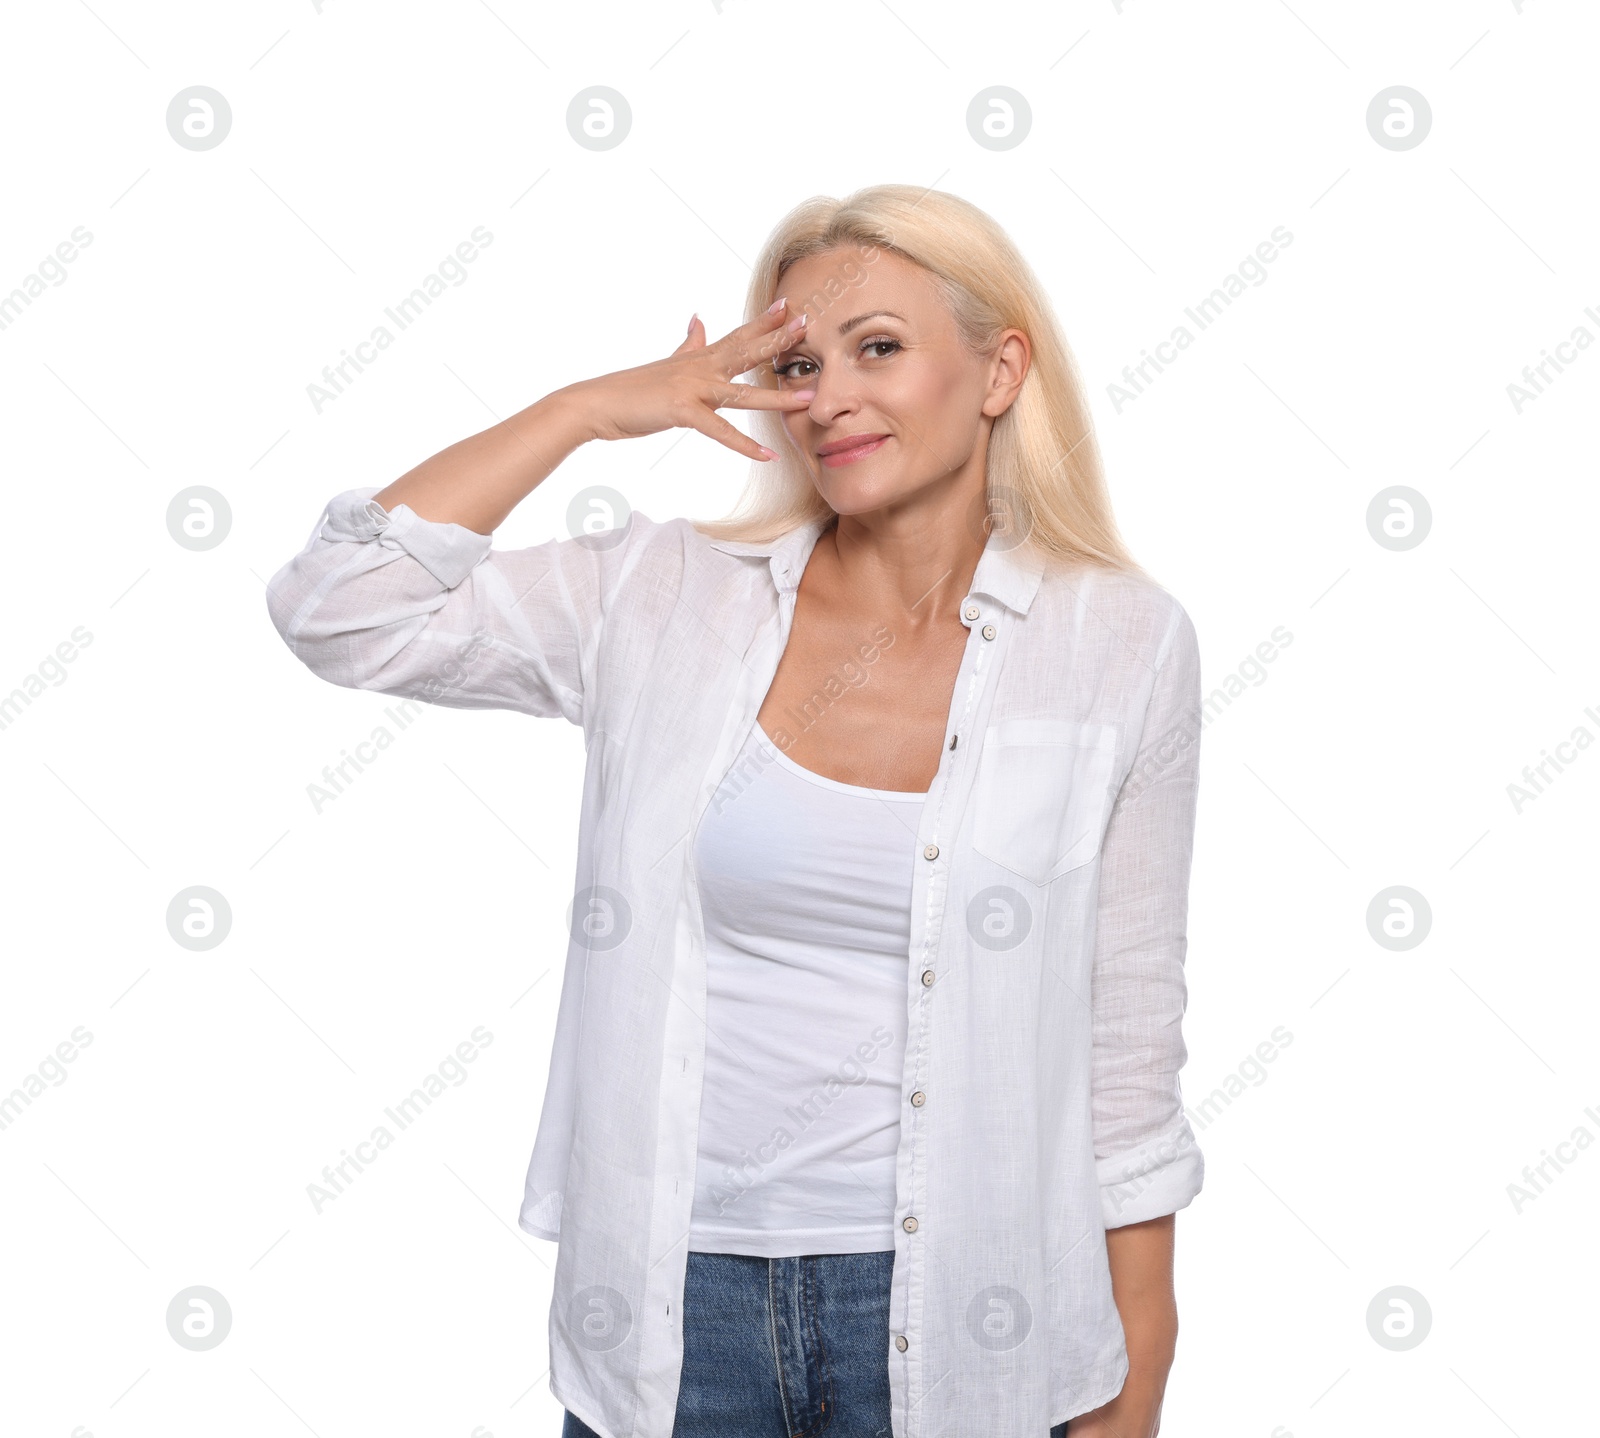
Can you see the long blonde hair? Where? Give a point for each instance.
(1045, 484)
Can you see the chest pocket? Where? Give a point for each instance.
(1043, 795)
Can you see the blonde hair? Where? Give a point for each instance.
(1044, 478)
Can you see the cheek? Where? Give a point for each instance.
(937, 399)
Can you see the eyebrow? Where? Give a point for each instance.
(849, 325)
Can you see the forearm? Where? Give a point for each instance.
(478, 481)
(1140, 1257)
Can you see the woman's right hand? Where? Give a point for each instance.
(687, 388)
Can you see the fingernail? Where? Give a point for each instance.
(798, 322)
(776, 305)
(768, 453)
(692, 319)
(805, 394)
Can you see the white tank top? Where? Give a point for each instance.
(805, 887)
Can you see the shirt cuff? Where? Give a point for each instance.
(449, 552)
(1153, 1181)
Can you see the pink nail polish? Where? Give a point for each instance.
(776, 305)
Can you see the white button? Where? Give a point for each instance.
(900, 1342)
(988, 631)
(972, 611)
(918, 1099)
(927, 978)
(910, 1225)
(931, 852)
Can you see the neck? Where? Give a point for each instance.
(915, 558)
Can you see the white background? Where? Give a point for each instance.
(369, 939)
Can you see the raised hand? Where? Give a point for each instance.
(687, 388)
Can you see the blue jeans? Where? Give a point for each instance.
(779, 1346)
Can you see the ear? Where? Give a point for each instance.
(1007, 370)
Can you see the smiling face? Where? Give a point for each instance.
(903, 409)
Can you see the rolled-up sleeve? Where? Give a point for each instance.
(388, 601)
(1147, 1159)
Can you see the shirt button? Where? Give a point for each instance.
(927, 978)
(910, 1225)
(988, 631)
(931, 852)
(971, 611)
(918, 1099)
(900, 1342)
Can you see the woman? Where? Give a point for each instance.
(863, 1111)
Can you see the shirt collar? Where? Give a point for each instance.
(1007, 571)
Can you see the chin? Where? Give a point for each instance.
(860, 495)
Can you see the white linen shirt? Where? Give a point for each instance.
(1040, 1102)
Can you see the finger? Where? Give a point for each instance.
(695, 338)
(768, 334)
(740, 356)
(755, 396)
(714, 426)
(772, 319)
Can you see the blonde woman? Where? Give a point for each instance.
(863, 1114)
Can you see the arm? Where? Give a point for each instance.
(388, 601)
(478, 481)
(1148, 1162)
(401, 591)
(1141, 1280)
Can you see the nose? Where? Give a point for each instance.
(835, 395)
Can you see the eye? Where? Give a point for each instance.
(878, 347)
(786, 370)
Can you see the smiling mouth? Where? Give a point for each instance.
(854, 452)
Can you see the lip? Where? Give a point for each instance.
(850, 449)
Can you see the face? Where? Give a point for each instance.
(902, 408)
